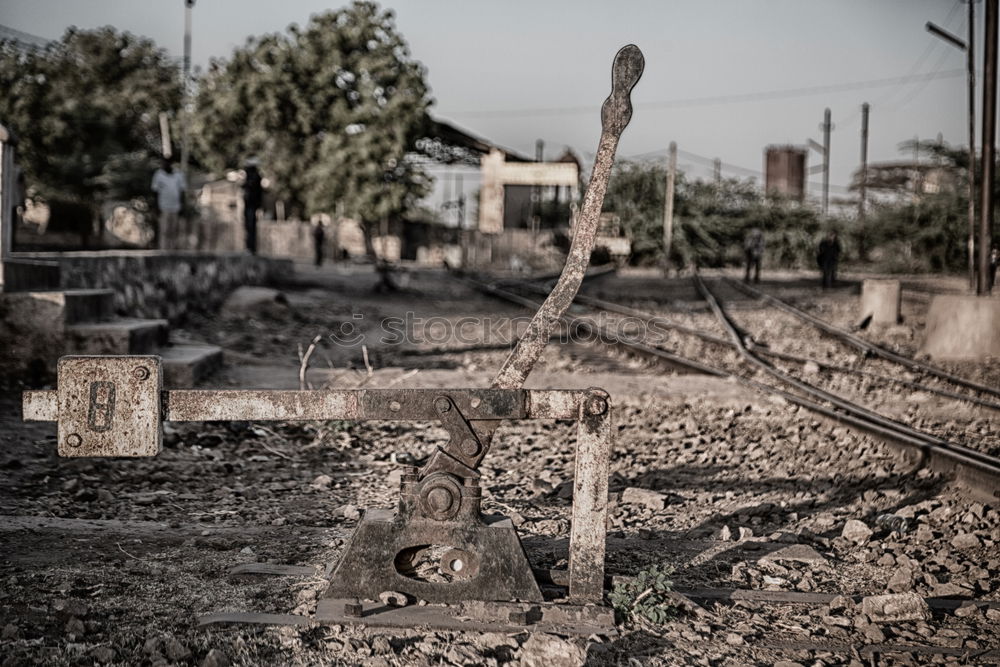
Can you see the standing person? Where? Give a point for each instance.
(169, 186)
(994, 260)
(253, 196)
(753, 249)
(319, 236)
(827, 257)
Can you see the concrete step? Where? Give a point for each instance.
(119, 336)
(185, 365)
(89, 305)
(24, 275)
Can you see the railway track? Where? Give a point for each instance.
(977, 473)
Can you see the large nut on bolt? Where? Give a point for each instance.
(440, 496)
(596, 404)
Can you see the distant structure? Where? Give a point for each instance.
(785, 171)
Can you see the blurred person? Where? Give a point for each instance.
(753, 249)
(994, 260)
(253, 196)
(827, 257)
(169, 186)
(319, 237)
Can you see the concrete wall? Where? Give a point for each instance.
(154, 284)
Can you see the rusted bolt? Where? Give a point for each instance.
(140, 373)
(395, 406)
(469, 447)
(596, 405)
(74, 440)
(442, 404)
(440, 499)
(353, 609)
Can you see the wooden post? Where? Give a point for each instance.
(668, 205)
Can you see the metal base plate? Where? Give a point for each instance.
(475, 616)
(368, 566)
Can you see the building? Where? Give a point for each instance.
(785, 171)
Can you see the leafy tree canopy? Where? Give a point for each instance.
(85, 112)
(332, 109)
(710, 220)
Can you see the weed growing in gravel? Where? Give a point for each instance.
(646, 596)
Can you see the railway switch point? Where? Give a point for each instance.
(479, 571)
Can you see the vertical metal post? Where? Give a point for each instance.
(989, 138)
(185, 84)
(970, 62)
(536, 190)
(863, 185)
(668, 205)
(864, 161)
(587, 540)
(826, 160)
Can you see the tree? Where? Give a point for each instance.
(710, 219)
(333, 109)
(85, 113)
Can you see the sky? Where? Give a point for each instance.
(723, 78)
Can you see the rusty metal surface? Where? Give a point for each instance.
(615, 115)
(265, 405)
(260, 405)
(590, 500)
(109, 406)
(40, 406)
(476, 616)
(376, 559)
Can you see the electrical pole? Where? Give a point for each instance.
(668, 205)
(188, 4)
(983, 287)
(536, 190)
(717, 171)
(827, 126)
(863, 185)
(970, 62)
(185, 83)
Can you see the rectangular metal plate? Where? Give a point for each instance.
(109, 406)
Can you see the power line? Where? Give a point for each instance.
(932, 45)
(22, 39)
(786, 93)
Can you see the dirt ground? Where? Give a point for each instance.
(112, 561)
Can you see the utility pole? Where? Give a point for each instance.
(826, 127)
(983, 287)
(668, 205)
(863, 185)
(717, 171)
(536, 190)
(970, 63)
(185, 84)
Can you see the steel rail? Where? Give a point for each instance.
(862, 344)
(938, 446)
(784, 356)
(980, 477)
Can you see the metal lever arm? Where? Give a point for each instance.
(615, 115)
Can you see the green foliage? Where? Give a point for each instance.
(85, 113)
(645, 597)
(332, 109)
(925, 235)
(710, 221)
(928, 232)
